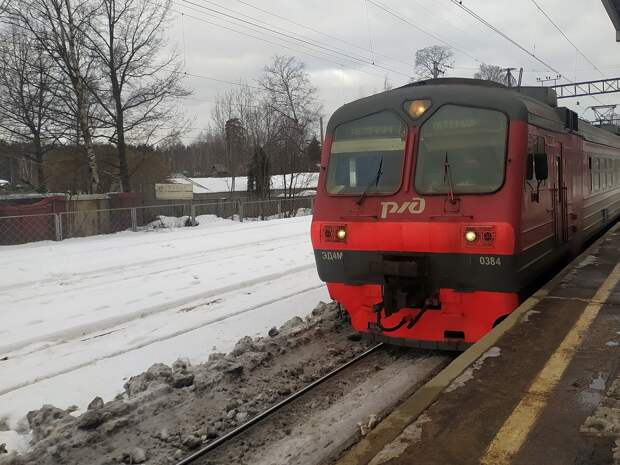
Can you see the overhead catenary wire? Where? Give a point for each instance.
(317, 31)
(479, 18)
(323, 58)
(544, 13)
(403, 19)
(372, 54)
(495, 29)
(294, 38)
(340, 64)
(254, 19)
(577, 49)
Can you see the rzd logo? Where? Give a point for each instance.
(414, 206)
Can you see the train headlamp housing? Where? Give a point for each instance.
(334, 233)
(479, 236)
(416, 108)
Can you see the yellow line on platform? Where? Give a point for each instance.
(513, 433)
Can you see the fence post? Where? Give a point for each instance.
(240, 211)
(134, 219)
(279, 208)
(58, 226)
(311, 204)
(192, 213)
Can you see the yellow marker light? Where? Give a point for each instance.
(417, 108)
(471, 236)
(341, 234)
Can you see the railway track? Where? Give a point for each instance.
(222, 440)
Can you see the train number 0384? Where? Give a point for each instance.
(485, 260)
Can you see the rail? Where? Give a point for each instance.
(260, 417)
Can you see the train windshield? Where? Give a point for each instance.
(461, 148)
(367, 156)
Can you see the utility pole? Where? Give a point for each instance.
(509, 77)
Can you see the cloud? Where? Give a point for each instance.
(354, 34)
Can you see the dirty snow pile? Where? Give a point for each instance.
(605, 422)
(81, 316)
(169, 411)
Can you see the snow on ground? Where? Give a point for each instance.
(82, 315)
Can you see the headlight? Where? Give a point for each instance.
(417, 108)
(341, 234)
(471, 236)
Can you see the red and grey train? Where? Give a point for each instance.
(442, 202)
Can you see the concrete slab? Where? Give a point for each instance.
(551, 362)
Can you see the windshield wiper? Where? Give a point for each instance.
(447, 178)
(375, 181)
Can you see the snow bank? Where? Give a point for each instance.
(80, 315)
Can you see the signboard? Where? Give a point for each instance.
(174, 191)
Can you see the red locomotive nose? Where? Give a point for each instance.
(440, 202)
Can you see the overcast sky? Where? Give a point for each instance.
(362, 33)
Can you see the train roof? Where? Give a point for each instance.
(535, 105)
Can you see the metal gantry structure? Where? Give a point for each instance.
(581, 89)
(604, 114)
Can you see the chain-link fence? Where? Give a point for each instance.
(64, 225)
(28, 228)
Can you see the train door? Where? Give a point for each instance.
(560, 196)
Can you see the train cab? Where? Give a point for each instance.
(417, 220)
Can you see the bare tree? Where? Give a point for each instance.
(59, 28)
(491, 73)
(140, 85)
(234, 146)
(248, 110)
(433, 61)
(291, 97)
(29, 98)
(259, 174)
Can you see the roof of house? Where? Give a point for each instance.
(301, 181)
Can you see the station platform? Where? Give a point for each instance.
(542, 388)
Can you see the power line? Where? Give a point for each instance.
(402, 18)
(258, 20)
(316, 31)
(304, 52)
(565, 36)
(369, 30)
(479, 18)
(275, 43)
(294, 38)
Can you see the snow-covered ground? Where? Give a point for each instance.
(80, 316)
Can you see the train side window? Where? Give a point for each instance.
(537, 170)
(536, 151)
(529, 170)
(596, 175)
(590, 175)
